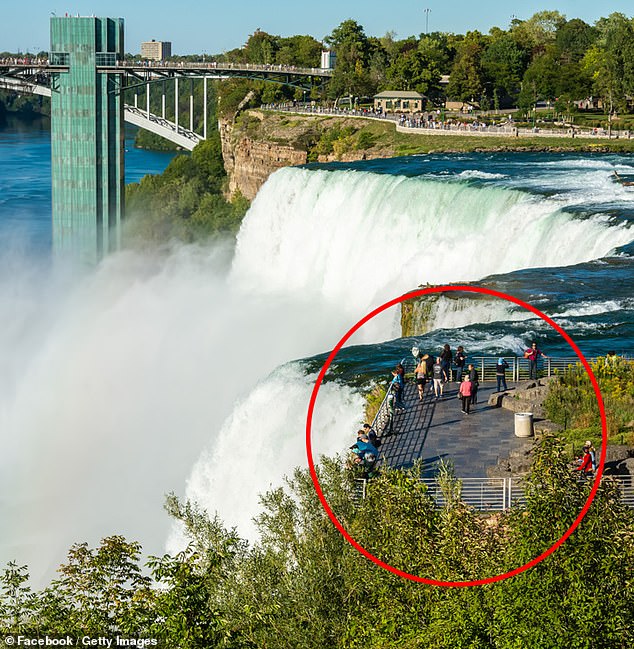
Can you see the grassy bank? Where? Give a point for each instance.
(338, 137)
(572, 402)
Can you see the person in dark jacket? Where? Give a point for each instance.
(445, 362)
(500, 374)
(459, 360)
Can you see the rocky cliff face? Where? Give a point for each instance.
(255, 144)
(249, 161)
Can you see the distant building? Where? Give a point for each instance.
(462, 106)
(156, 50)
(403, 101)
(328, 60)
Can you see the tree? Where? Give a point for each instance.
(302, 51)
(503, 64)
(540, 80)
(261, 48)
(413, 71)
(539, 31)
(610, 62)
(351, 74)
(573, 39)
(466, 81)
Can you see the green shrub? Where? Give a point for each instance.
(572, 401)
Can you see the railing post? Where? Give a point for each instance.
(163, 102)
(147, 101)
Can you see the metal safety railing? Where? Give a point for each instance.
(518, 366)
(491, 494)
(518, 370)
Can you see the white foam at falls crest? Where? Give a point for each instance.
(360, 237)
(448, 313)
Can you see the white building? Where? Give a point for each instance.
(328, 60)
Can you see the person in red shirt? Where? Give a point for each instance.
(585, 462)
(533, 354)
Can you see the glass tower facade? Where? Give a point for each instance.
(86, 137)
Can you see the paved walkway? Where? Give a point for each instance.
(437, 430)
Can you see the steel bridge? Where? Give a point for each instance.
(37, 78)
(86, 78)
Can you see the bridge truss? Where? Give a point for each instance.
(39, 79)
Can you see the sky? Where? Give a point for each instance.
(213, 27)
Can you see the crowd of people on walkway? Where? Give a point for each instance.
(445, 367)
(365, 452)
(438, 371)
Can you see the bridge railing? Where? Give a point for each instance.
(108, 61)
(494, 494)
(164, 123)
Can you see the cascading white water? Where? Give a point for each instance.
(118, 384)
(361, 237)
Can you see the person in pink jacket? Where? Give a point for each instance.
(465, 391)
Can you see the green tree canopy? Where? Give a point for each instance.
(610, 61)
(503, 65)
(352, 70)
(467, 80)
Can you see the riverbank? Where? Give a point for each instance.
(258, 142)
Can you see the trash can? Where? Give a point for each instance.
(523, 424)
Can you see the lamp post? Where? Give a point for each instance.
(427, 10)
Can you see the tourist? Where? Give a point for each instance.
(585, 461)
(532, 354)
(421, 378)
(500, 374)
(475, 382)
(374, 439)
(593, 454)
(429, 364)
(445, 360)
(439, 376)
(459, 360)
(365, 455)
(398, 384)
(464, 391)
